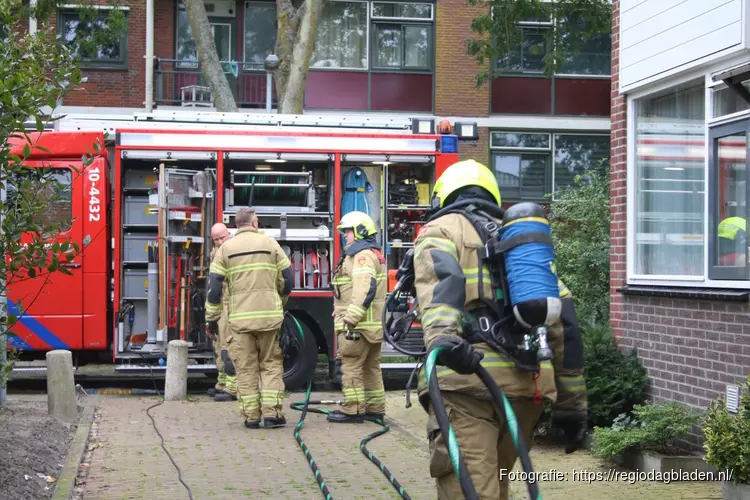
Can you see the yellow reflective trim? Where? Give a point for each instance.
(343, 280)
(217, 269)
(283, 264)
(257, 315)
(251, 267)
(213, 307)
(439, 243)
(445, 313)
(356, 309)
(527, 219)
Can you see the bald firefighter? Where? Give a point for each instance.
(732, 233)
(226, 384)
(259, 279)
(458, 303)
(359, 288)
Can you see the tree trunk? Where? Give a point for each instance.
(295, 41)
(208, 56)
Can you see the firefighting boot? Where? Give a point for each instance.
(375, 417)
(337, 417)
(224, 396)
(212, 392)
(270, 423)
(252, 424)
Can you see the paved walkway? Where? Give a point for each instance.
(126, 461)
(220, 459)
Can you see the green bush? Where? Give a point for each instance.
(615, 380)
(579, 219)
(652, 427)
(727, 442)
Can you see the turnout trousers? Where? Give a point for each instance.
(225, 382)
(259, 362)
(361, 377)
(485, 443)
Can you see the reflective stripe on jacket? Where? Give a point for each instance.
(359, 294)
(258, 279)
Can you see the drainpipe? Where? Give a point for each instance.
(149, 56)
(32, 19)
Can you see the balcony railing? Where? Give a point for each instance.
(181, 83)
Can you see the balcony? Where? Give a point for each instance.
(181, 83)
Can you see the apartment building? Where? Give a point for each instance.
(680, 279)
(374, 57)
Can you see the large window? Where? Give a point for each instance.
(342, 37)
(88, 39)
(669, 181)
(592, 57)
(399, 36)
(187, 52)
(530, 165)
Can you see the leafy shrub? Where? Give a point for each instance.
(727, 442)
(652, 427)
(615, 380)
(579, 219)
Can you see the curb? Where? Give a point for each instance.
(67, 480)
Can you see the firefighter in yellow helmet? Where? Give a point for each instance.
(453, 308)
(732, 233)
(359, 289)
(259, 280)
(226, 383)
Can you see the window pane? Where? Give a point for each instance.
(260, 34)
(417, 40)
(591, 57)
(517, 140)
(727, 101)
(576, 155)
(521, 176)
(223, 39)
(78, 35)
(731, 202)
(402, 10)
(388, 46)
(342, 36)
(528, 56)
(187, 53)
(670, 183)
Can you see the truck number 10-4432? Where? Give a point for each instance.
(94, 205)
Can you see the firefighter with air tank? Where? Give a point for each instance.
(258, 279)
(359, 289)
(463, 309)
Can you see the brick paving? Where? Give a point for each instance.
(127, 462)
(220, 459)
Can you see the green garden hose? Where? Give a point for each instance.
(459, 466)
(304, 407)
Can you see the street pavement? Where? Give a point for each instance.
(220, 459)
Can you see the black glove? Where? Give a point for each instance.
(285, 339)
(574, 426)
(458, 355)
(212, 330)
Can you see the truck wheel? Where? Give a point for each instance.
(300, 355)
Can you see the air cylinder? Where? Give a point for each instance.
(530, 265)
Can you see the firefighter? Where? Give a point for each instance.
(359, 285)
(258, 278)
(732, 234)
(226, 384)
(453, 311)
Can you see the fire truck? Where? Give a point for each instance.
(142, 211)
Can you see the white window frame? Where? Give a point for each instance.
(550, 133)
(631, 278)
(367, 41)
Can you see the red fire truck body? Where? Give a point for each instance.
(160, 182)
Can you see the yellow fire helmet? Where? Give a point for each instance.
(359, 222)
(728, 228)
(462, 174)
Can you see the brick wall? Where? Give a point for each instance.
(691, 348)
(618, 170)
(125, 87)
(476, 150)
(455, 91)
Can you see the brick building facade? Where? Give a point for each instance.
(536, 132)
(678, 169)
